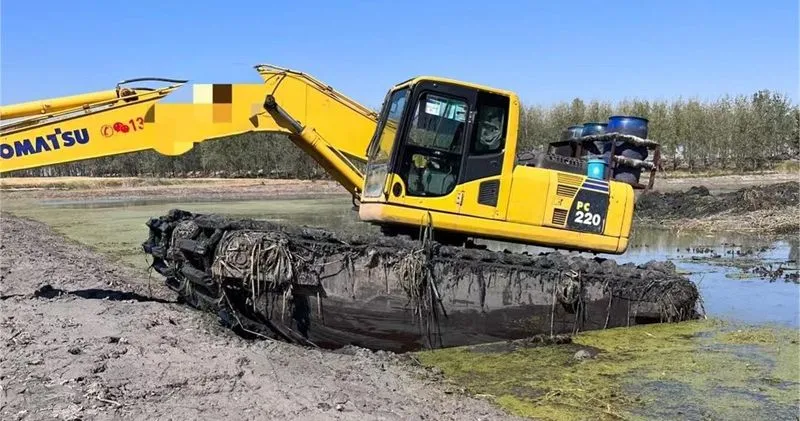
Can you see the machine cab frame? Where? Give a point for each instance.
(433, 139)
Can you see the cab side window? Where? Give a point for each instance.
(489, 133)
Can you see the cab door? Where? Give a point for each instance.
(482, 183)
(429, 160)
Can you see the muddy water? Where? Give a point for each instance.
(719, 264)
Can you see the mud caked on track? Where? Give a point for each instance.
(318, 287)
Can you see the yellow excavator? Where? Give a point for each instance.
(440, 153)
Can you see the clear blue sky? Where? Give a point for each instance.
(545, 51)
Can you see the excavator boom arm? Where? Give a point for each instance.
(333, 129)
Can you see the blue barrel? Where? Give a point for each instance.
(597, 147)
(636, 126)
(596, 168)
(572, 132)
(594, 128)
(624, 124)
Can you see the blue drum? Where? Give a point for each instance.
(624, 124)
(572, 133)
(636, 126)
(596, 147)
(594, 128)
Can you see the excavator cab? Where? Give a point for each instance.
(439, 146)
(444, 155)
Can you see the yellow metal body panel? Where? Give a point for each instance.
(467, 194)
(532, 202)
(489, 228)
(336, 130)
(530, 196)
(45, 106)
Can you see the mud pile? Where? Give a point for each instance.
(697, 202)
(316, 287)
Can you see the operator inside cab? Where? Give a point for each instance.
(490, 129)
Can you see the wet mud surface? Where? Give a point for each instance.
(771, 208)
(699, 202)
(86, 338)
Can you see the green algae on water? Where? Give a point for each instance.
(683, 370)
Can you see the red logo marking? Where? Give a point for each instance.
(121, 127)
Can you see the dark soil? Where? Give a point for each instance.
(85, 338)
(698, 202)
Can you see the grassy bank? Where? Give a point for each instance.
(664, 180)
(75, 183)
(118, 229)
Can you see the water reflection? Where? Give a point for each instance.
(727, 291)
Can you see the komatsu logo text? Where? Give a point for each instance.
(49, 142)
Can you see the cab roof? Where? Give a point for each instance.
(418, 79)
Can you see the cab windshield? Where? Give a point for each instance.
(381, 149)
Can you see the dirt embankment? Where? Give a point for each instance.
(769, 208)
(98, 344)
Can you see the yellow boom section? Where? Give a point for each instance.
(27, 109)
(327, 125)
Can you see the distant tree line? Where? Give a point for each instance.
(742, 133)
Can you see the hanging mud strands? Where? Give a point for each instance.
(231, 310)
(607, 290)
(415, 275)
(553, 311)
(415, 278)
(569, 290)
(286, 294)
(253, 273)
(436, 303)
(319, 307)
